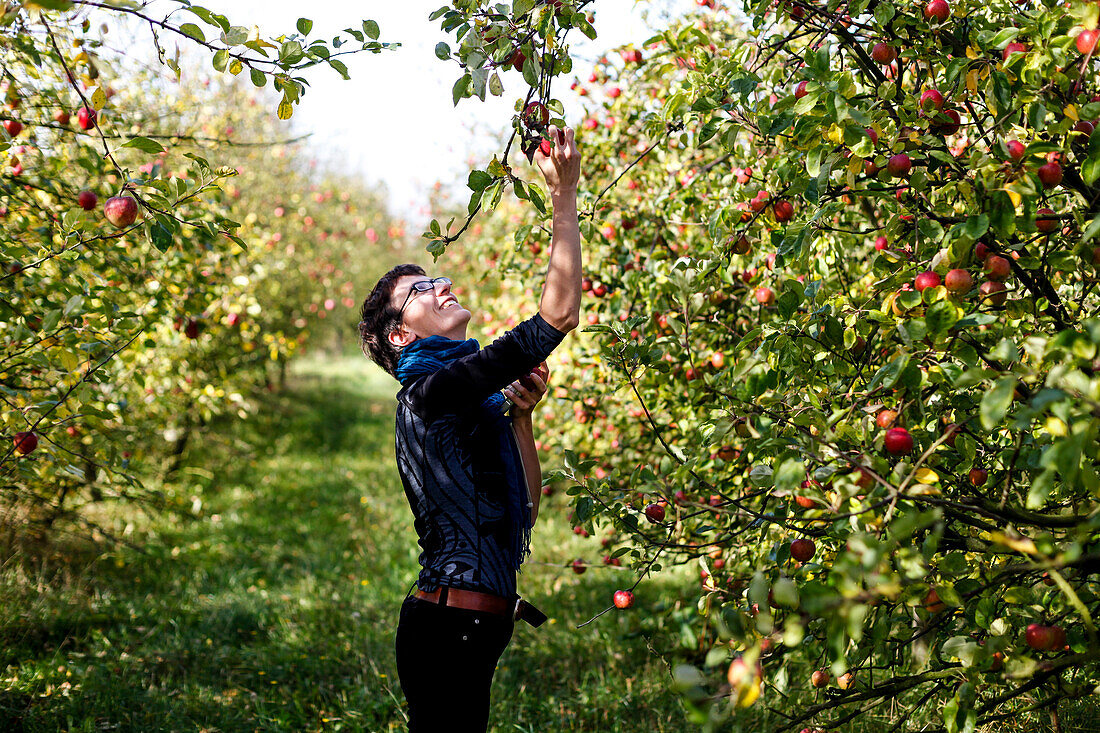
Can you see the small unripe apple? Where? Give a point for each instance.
(993, 292)
(883, 53)
(978, 476)
(997, 267)
(820, 678)
(958, 281)
(898, 165)
(655, 513)
(803, 549)
(1086, 41)
(623, 599)
(25, 442)
(898, 441)
(931, 99)
(937, 10)
(1050, 174)
(87, 200)
(1015, 150)
(925, 280)
(1014, 47)
(764, 295)
(121, 211)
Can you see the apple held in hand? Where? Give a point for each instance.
(121, 211)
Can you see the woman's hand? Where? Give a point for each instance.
(562, 168)
(524, 399)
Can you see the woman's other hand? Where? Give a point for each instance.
(524, 398)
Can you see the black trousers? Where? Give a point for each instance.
(446, 658)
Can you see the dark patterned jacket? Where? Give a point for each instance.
(450, 464)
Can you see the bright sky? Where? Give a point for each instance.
(394, 122)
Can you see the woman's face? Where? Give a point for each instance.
(434, 312)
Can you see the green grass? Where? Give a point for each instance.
(276, 608)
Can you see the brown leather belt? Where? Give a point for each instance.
(472, 601)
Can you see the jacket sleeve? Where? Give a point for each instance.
(467, 382)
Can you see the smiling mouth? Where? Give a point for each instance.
(450, 303)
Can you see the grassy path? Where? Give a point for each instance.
(275, 610)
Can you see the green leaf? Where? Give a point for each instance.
(259, 79)
(975, 226)
(941, 316)
(220, 60)
(144, 144)
(996, 401)
(235, 36)
(371, 29)
(1090, 169)
(340, 67)
(460, 88)
(479, 180)
(442, 51)
(305, 25)
(194, 31)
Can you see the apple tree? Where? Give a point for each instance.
(841, 356)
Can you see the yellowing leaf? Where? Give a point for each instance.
(973, 53)
(926, 475)
(1071, 112)
(1020, 544)
(97, 98)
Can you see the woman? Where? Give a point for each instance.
(469, 467)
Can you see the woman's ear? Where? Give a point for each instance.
(401, 337)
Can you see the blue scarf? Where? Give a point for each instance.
(426, 356)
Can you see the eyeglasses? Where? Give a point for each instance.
(424, 286)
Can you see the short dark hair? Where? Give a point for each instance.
(378, 319)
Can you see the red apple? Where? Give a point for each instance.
(233, 319)
(1043, 224)
(997, 267)
(803, 549)
(1045, 638)
(87, 200)
(535, 115)
(978, 476)
(800, 90)
(13, 127)
(623, 599)
(927, 279)
(1086, 41)
(25, 442)
(932, 602)
(121, 211)
(886, 419)
(883, 53)
(191, 330)
(981, 251)
(931, 99)
(898, 165)
(958, 281)
(61, 117)
(1050, 174)
(881, 243)
(764, 295)
(579, 566)
(820, 678)
(1015, 150)
(1014, 47)
(784, 210)
(993, 291)
(898, 441)
(937, 10)
(655, 513)
(86, 118)
(947, 122)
